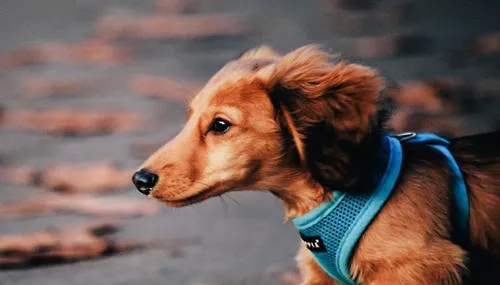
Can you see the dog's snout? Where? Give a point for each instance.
(144, 181)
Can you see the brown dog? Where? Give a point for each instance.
(301, 126)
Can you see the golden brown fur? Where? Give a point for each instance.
(304, 125)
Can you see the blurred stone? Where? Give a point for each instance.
(411, 44)
(58, 245)
(174, 26)
(418, 95)
(491, 85)
(40, 86)
(349, 4)
(372, 47)
(89, 177)
(385, 46)
(95, 50)
(72, 121)
(70, 178)
(89, 51)
(81, 204)
(458, 96)
(378, 20)
(488, 44)
(17, 174)
(68, 244)
(437, 95)
(19, 58)
(417, 121)
(177, 6)
(165, 88)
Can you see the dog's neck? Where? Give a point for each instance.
(300, 194)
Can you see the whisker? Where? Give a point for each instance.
(194, 209)
(171, 211)
(224, 204)
(234, 200)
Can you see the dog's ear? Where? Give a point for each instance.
(328, 110)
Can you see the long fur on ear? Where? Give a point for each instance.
(262, 52)
(332, 107)
(296, 136)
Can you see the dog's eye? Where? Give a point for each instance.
(219, 126)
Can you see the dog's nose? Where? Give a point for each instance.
(144, 181)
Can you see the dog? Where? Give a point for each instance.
(303, 125)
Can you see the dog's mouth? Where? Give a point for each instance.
(193, 199)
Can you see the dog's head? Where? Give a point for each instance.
(265, 120)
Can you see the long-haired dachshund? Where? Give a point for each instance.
(306, 127)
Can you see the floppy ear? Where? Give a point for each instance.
(328, 110)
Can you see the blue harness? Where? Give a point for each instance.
(332, 230)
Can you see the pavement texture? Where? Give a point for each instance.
(89, 88)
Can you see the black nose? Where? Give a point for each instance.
(144, 181)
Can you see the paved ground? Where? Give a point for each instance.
(239, 244)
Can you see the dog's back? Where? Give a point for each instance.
(479, 159)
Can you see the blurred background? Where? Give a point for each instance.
(89, 88)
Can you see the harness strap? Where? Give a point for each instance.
(460, 198)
